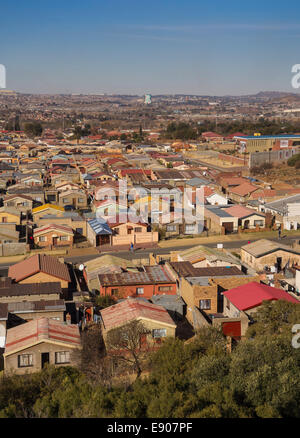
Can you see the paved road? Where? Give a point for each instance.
(143, 253)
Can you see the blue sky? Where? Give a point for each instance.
(159, 46)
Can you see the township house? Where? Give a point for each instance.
(8, 233)
(11, 292)
(117, 233)
(22, 203)
(46, 209)
(105, 264)
(249, 297)
(227, 219)
(41, 268)
(72, 197)
(265, 252)
(69, 219)
(202, 287)
(154, 318)
(10, 215)
(53, 235)
(30, 346)
(149, 281)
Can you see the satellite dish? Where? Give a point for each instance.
(81, 267)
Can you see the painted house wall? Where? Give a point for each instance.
(49, 238)
(41, 277)
(151, 325)
(11, 361)
(258, 263)
(6, 217)
(131, 290)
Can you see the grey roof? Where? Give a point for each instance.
(35, 306)
(167, 299)
(99, 227)
(280, 204)
(218, 211)
(197, 182)
(67, 215)
(201, 281)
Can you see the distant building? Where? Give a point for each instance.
(260, 143)
(148, 98)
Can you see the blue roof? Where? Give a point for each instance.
(257, 137)
(99, 227)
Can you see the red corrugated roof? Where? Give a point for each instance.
(131, 309)
(41, 329)
(253, 294)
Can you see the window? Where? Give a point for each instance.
(79, 230)
(42, 239)
(138, 229)
(164, 288)
(159, 333)
(65, 200)
(64, 238)
(25, 360)
(189, 228)
(205, 304)
(62, 357)
(171, 227)
(140, 290)
(80, 200)
(114, 291)
(259, 223)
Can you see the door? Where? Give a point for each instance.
(55, 240)
(228, 227)
(279, 263)
(45, 359)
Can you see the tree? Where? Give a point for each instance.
(274, 318)
(105, 301)
(17, 123)
(126, 344)
(77, 133)
(91, 359)
(33, 129)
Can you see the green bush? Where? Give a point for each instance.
(294, 160)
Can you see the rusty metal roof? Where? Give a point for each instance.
(186, 269)
(149, 275)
